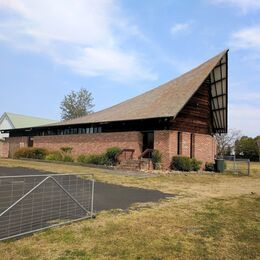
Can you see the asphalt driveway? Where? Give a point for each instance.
(55, 204)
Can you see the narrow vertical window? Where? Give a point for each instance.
(179, 143)
(191, 145)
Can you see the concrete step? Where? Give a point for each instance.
(135, 165)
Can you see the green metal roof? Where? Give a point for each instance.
(21, 121)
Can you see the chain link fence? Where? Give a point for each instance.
(237, 165)
(31, 203)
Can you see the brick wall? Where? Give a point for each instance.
(15, 143)
(164, 140)
(91, 143)
(185, 144)
(204, 146)
(4, 149)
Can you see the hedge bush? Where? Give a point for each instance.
(67, 158)
(66, 149)
(62, 155)
(107, 158)
(180, 163)
(209, 167)
(195, 164)
(111, 155)
(183, 163)
(156, 159)
(99, 159)
(54, 156)
(31, 152)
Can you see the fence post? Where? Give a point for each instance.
(92, 199)
(234, 167)
(248, 166)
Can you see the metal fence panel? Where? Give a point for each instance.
(35, 202)
(237, 165)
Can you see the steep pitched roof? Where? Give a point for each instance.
(22, 121)
(164, 101)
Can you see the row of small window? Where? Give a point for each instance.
(71, 131)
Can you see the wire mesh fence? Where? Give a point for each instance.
(237, 165)
(35, 202)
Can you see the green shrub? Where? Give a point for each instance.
(31, 152)
(209, 167)
(195, 164)
(54, 156)
(156, 159)
(99, 159)
(67, 158)
(66, 149)
(111, 154)
(181, 163)
(82, 158)
(21, 153)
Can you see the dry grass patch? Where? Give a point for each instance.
(190, 184)
(214, 217)
(214, 229)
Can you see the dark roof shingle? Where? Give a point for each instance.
(166, 100)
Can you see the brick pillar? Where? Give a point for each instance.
(204, 147)
(162, 144)
(15, 143)
(4, 149)
(166, 142)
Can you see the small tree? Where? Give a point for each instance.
(226, 142)
(246, 147)
(257, 139)
(76, 104)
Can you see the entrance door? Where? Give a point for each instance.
(148, 140)
(30, 141)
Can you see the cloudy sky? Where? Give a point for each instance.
(119, 49)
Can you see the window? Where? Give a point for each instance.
(192, 145)
(179, 143)
(70, 131)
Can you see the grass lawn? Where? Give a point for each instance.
(214, 217)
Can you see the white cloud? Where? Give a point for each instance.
(98, 61)
(245, 118)
(246, 38)
(244, 5)
(85, 35)
(246, 96)
(180, 27)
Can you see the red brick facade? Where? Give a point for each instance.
(166, 141)
(4, 149)
(16, 143)
(92, 143)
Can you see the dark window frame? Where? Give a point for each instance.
(192, 145)
(179, 142)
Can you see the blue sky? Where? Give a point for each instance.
(119, 49)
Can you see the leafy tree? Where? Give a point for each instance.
(257, 139)
(76, 104)
(226, 142)
(246, 147)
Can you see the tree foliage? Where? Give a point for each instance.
(257, 139)
(226, 142)
(76, 104)
(247, 147)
